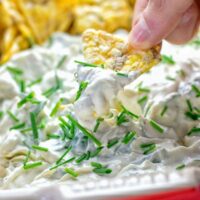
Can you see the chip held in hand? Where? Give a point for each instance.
(112, 52)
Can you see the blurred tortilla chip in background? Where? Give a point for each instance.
(26, 22)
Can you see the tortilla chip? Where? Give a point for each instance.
(101, 48)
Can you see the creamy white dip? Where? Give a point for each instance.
(157, 129)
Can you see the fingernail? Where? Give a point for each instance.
(140, 32)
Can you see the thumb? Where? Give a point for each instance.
(157, 21)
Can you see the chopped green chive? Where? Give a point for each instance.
(82, 87)
(156, 126)
(39, 148)
(170, 78)
(56, 108)
(18, 126)
(27, 157)
(196, 42)
(84, 130)
(28, 98)
(122, 74)
(164, 110)
(148, 109)
(34, 126)
(66, 132)
(142, 100)
(96, 152)
(61, 62)
(63, 163)
(81, 158)
(196, 90)
(128, 137)
(130, 113)
(12, 116)
(168, 60)
(189, 105)
(102, 170)
(53, 136)
(64, 122)
(51, 91)
(32, 165)
(96, 165)
(64, 154)
(39, 80)
(148, 148)
(121, 118)
(194, 131)
(1, 114)
(71, 172)
(15, 71)
(87, 64)
(22, 85)
(180, 167)
(98, 121)
(143, 89)
(112, 142)
(192, 115)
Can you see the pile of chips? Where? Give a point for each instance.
(26, 22)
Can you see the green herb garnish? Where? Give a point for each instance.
(96, 152)
(48, 93)
(168, 60)
(142, 100)
(128, 137)
(102, 170)
(189, 104)
(170, 78)
(143, 89)
(180, 167)
(71, 172)
(39, 148)
(66, 132)
(194, 130)
(34, 126)
(130, 113)
(61, 62)
(121, 118)
(122, 74)
(148, 148)
(56, 108)
(39, 80)
(32, 165)
(96, 165)
(81, 158)
(53, 136)
(63, 163)
(28, 98)
(1, 114)
(112, 142)
(164, 110)
(84, 130)
(15, 71)
(22, 86)
(64, 122)
(87, 64)
(193, 115)
(27, 157)
(12, 116)
(64, 154)
(82, 87)
(196, 90)
(156, 126)
(18, 126)
(98, 121)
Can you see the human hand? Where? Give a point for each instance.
(177, 21)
